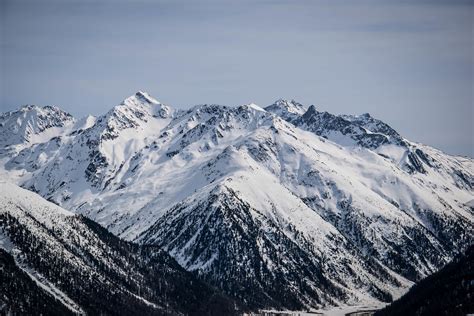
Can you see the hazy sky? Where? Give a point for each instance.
(409, 63)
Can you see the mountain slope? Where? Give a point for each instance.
(281, 207)
(16, 283)
(88, 270)
(449, 291)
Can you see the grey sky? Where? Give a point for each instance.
(409, 63)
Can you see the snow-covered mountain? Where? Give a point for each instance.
(32, 124)
(278, 207)
(56, 263)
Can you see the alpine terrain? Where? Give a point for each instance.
(53, 262)
(281, 207)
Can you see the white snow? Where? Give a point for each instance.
(50, 288)
(331, 311)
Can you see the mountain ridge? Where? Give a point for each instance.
(371, 211)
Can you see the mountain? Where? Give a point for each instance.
(32, 124)
(288, 110)
(21, 293)
(278, 207)
(449, 291)
(58, 263)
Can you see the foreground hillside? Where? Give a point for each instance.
(278, 207)
(449, 291)
(56, 263)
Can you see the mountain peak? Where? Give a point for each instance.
(255, 107)
(19, 126)
(28, 107)
(310, 112)
(31, 107)
(139, 111)
(288, 110)
(140, 97)
(140, 104)
(290, 105)
(146, 97)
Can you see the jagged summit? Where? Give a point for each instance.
(35, 107)
(29, 107)
(291, 105)
(288, 110)
(138, 111)
(311, 111)
(141, 103)
(140, 97)
(31, 111)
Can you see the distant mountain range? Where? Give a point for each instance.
(282, 207)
